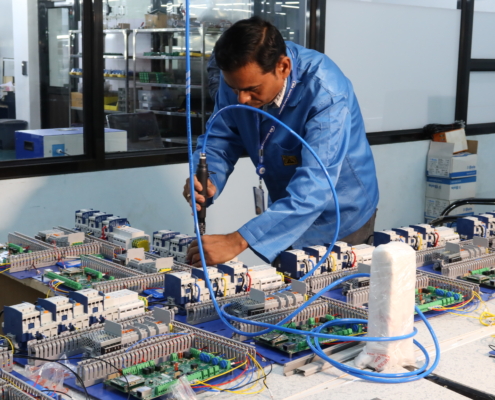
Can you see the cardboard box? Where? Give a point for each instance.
(159, 20)
(434, 207)
(457, 137)
(451, 189)
(76, 99)
(441, 161)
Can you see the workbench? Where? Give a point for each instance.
(464, 359)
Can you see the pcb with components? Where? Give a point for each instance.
(79, 278)
(432, 297)
(484, 277)
(149, 379)
(293, 343)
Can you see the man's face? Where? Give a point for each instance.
(254, 87)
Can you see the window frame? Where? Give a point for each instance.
(95, 158)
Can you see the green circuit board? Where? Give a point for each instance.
(293, 343)
(78, 278)
(149, 380)
(484, 277)
(431, 297)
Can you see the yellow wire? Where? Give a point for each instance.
(10, 342)
(224, 287)
(223, 373)
(59, 290)
(485, 314)
(170, 327)
(5, 270)
(334, 261)
(145, 300)
(420, 244)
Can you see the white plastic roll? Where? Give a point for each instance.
(391, 307)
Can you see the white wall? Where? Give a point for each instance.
(27, 101)
(6, 30)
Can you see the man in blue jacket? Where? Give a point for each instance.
(308, 92)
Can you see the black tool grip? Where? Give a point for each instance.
(202, 176)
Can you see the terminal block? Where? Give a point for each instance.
(489, 220)
(363, 254)
(237, 275)
(470, 227)
(182, 287)
(128, 238)
(6, 357)
(178, 247)
(429, 237)
(161, 349)
(15, 388)
(446, 235)
(384, 237)
(220, 282)
(453, 253)
(331, 264)
(431, 290)
(344, 255)
(461, 268)
(258, 302)
(71, 343)
(264, 277)
(82, 219)
(296, 263)
(411, 237)
(55, 315)
(162, 264)
(95, 223)
(161, 241)
(318, 309)
(62, 239)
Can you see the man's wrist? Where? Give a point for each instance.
(241, 243)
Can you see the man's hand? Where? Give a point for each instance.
(217, 248)
(210, 192)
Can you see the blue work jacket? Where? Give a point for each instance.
(324, 111)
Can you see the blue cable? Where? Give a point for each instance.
(316, 333)
(199, 293)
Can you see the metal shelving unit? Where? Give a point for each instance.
(125, 32)
(169, 32)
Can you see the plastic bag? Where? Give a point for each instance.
(181, 390)
(50, 375)
(390, 307)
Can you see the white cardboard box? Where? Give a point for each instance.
(451, 189)
(443, 163)
(434, 207)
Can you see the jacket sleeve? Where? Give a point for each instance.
(224, 145)
(327, 132)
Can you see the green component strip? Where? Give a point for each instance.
(93, 273)
(67, 282)
(480, 271)
(136, 369)
(15, 247)
(432, 297)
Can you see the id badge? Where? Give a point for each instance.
(259, 200)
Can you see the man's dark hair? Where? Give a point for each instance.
(250, 40)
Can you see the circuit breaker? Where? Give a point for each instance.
(296, 263)
(384, 237)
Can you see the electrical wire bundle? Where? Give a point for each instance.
(314, 334)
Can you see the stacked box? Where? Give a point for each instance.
(450, 177)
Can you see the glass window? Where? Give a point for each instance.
(481, 98)
(145, 67)
(34, 77)
(402, 60)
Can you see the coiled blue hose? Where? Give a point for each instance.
(315, 333)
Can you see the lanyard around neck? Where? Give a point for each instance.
(260, 169)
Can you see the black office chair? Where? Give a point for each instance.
(142, 130)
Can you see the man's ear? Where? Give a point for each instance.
(284, 66)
